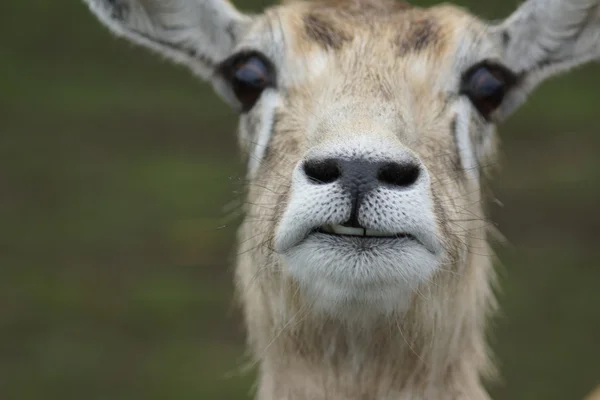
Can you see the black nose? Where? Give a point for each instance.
(359, 177)
(323, 171)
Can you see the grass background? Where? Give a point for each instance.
(115, 272)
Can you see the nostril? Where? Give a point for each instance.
(322, 171)
(398, 174)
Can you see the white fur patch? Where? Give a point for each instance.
(259, 135)
(464, 142)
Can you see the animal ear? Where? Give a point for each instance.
(197, 33)
(545, 38)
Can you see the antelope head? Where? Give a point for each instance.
(367, 127)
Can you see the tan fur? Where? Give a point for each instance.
(436, 350)
(372, 89)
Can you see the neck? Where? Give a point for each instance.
(434, 350)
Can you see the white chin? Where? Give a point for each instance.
(347, 276)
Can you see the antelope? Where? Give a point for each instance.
(369, 132)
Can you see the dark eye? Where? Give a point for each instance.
(486, 85)
(249, 75)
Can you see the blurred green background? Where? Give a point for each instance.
(116, 169)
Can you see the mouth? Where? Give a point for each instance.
(341, 230)
(351, 267)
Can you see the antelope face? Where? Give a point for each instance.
(371, 134)
(367, 125)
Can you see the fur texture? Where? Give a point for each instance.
(370, 80)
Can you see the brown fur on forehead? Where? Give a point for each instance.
(421, 33)
(331, 24)
(322, 30)
(386, 54)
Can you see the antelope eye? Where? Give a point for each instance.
(249, 75)
(486, 85)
